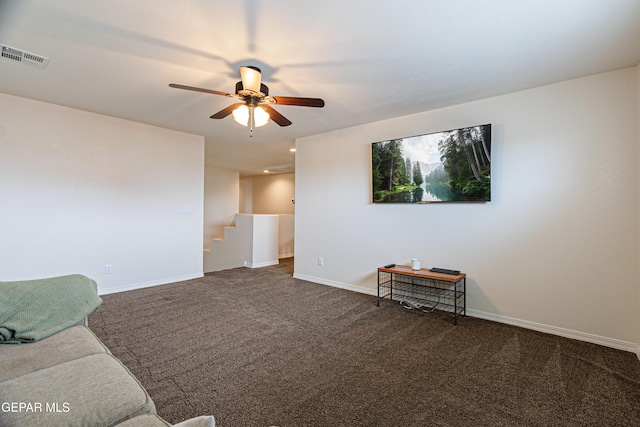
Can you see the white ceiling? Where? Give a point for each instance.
(368, 59)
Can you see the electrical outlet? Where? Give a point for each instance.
(320, 261)
(107, 269)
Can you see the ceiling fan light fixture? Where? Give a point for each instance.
(260, 117)
(241, 115)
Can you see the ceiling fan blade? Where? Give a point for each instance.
(251, 78)
(275, 116)
(226, 111)
(199, 89)
(302, 102)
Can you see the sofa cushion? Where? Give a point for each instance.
(96, 390)
(72, 343)
(152, 420)
(145, 420)
(203, 421)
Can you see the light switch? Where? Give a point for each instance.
(184, 210)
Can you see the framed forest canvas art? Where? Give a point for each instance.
(448, 166)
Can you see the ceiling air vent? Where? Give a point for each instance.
(28, 58)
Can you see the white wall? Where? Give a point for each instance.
(286, 234)
(264, 250)
(272, 194)
(221, 195)
(246, 195)
(253, 242)
(268, 194)
(557, 247)
(638, 278)
(80, 190)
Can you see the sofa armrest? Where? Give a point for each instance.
(36, 309)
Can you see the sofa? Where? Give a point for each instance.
(54, 371)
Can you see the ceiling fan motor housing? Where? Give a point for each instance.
(263, 89)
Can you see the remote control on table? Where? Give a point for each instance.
(445, 271)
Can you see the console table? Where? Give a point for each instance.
(424, 290)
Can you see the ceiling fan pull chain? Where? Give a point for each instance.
(251, 121)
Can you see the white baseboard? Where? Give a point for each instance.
(165, 281)
(334, 284)
(285, 255)
(263, 264)
(554, 330)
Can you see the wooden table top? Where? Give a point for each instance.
(423, 272)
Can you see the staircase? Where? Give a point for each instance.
(252, 242)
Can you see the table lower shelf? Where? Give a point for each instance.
(425, 294)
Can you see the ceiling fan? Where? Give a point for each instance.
(254, 108)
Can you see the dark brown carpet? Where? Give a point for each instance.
(255, 347)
